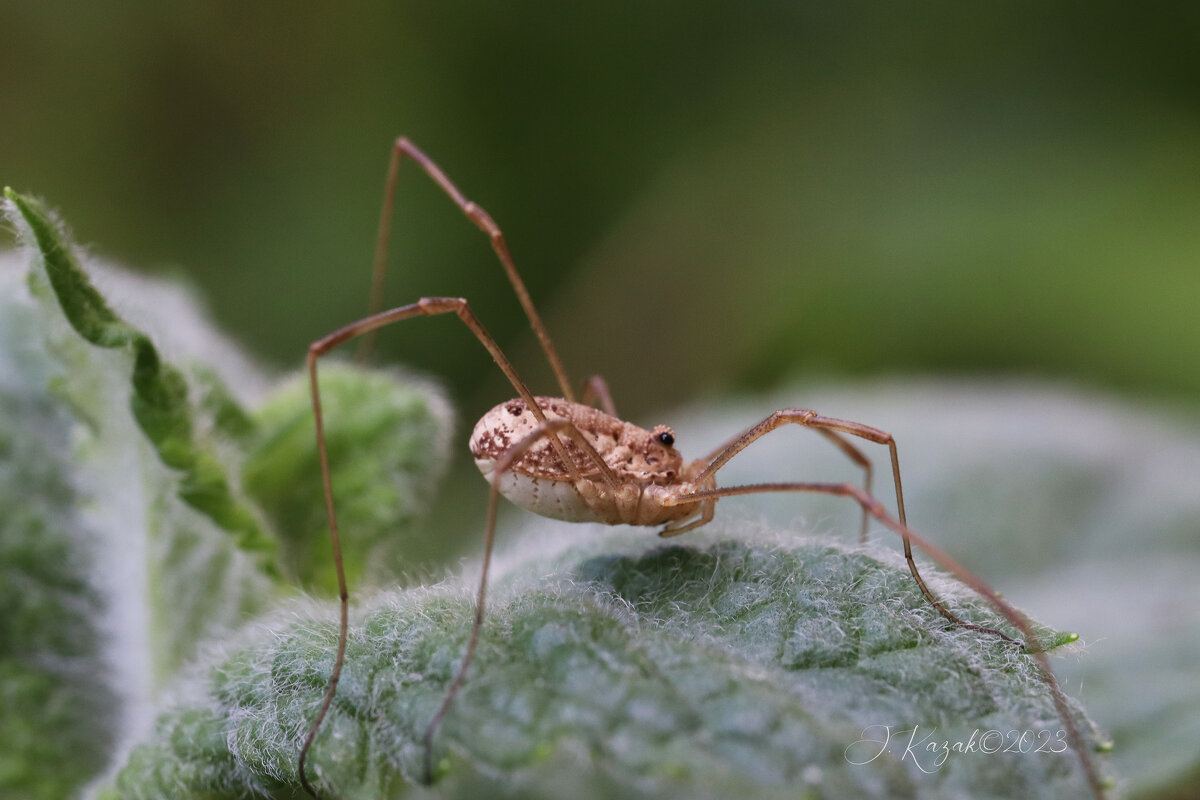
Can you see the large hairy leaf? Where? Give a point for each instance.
(747, 664)
(128, 534)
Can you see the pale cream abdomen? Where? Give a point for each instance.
(606, 483)
(549, 498)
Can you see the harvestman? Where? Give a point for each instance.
(570, 460)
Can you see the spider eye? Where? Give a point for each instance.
(663, 434)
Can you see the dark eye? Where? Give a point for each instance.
(664, 435)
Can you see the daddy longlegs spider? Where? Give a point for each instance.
(571, 460)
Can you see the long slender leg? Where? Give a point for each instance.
(548, 428)
(811, 419)
(402, 149)
(870, 504)
(596, 391)
(426, 306)
(855, 455)
(839, 441)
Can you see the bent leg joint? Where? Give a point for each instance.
(440, 305)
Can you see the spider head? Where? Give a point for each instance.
(659, 461)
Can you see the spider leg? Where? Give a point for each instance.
(830, 433)
(401, 149)
(707, 511)
(832, 427)
(872, 506)
(857, 456)
(550, 428)
(596, 391)
(426, 306)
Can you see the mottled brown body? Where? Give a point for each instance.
(645, 463)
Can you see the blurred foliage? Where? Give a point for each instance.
(388, 442)
(140, 503)
(57, 705)
(698, 196)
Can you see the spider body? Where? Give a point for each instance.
(649, 471)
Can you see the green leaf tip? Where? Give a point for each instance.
(1066, 637)
(734, 669)
(1051, 640)
(82, 304)
(160, 400)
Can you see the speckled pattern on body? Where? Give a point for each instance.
(644, 462)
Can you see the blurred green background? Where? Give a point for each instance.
(701, 196)
(704, 198)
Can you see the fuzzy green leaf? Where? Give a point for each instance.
(126, 536)
(1079, 506)
(194, 557)
(733, 669)
(160, 398)
(58, 704)
(388, 448)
